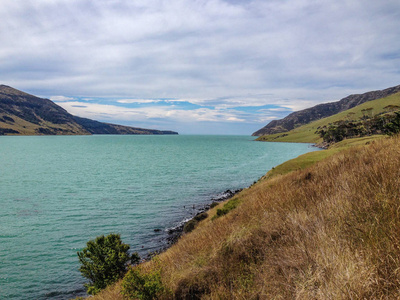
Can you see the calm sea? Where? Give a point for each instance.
(58, 192)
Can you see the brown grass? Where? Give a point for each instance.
(331, 231)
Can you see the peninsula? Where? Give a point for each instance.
(25, 114)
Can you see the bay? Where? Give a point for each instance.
(58, 192)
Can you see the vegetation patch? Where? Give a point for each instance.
(388, 123)
(309, 133)
(228, 206)
(214, 204)
(190, 225)
(5, 131)
(103, 261)
(139, 284)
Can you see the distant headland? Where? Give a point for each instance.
(25, 114)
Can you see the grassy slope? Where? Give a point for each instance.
(329, 231)
(27, 128)
(308, 159)
(306, 133)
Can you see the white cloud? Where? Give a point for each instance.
(140, 101)
(112, 112)
(60, 98)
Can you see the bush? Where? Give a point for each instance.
(214, 204)
(190, 225)
(201, 216)
(140, 285)
(228, 206)
(103, 261)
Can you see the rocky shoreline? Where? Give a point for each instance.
(174, 233)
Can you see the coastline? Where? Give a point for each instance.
(174, 233)
(171, 235)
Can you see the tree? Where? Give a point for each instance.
(393, 127)
(103, 261)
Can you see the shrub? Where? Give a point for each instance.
(228, 206)
(201, 216)
(138, 284)
(214, 204)
(103, 261)
(190, 225)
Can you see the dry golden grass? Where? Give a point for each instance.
(331, 231)
(27, 128)
(111, 292)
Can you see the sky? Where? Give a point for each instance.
(198, 66)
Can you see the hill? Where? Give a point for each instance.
(328, 230)
(25, 114)
(309, 133)
(320, 111)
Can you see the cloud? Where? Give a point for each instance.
(140, 101)
(221, 55)
(112, 112)
(60, 98)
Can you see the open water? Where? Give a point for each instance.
(58, 192)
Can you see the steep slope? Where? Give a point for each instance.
(320, 111)
(22, 113)
(307, 133)
(25, 114)
(329, 231)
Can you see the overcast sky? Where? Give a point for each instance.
(198, 66)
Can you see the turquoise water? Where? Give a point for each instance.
(58, 192)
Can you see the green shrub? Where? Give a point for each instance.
(140, 285)
(103, 261)
(201, 217)
(214, 204)
(222, 211)
(228, 206)
(190, 225)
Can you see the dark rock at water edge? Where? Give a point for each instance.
(176, 232)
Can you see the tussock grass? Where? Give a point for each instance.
(329, 231)
(111, 292)
(306, 160)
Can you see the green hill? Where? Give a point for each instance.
(307, 133)
(320, 111)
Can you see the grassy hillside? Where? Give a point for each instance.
(13, 125)
(306, 133)
(25, 114)
(308, 115)
(328, 230)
